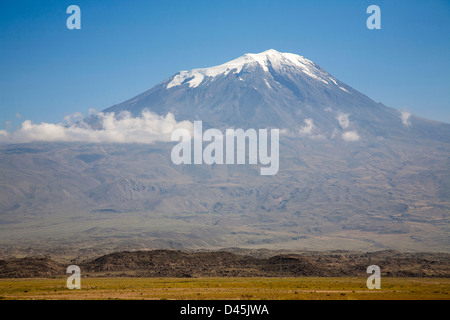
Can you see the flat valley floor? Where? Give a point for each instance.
(299, 288)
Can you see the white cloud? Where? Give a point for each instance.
(310, 130)
(350, 136)
(343, 120)
(74, 116)
(120, 128)
(405, 118)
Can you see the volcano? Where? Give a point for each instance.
(274, 89)
(353, 173)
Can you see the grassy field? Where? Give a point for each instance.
(227, 288)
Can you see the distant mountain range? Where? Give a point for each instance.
(354, 174)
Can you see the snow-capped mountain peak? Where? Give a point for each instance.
(267, 60)
(269, 89)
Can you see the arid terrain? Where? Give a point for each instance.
(292, 288)
(240, 263)
(240, 274)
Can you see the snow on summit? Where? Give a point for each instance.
(270, 59)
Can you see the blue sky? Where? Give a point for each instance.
(126, 47)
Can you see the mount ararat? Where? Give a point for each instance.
(353, 173)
